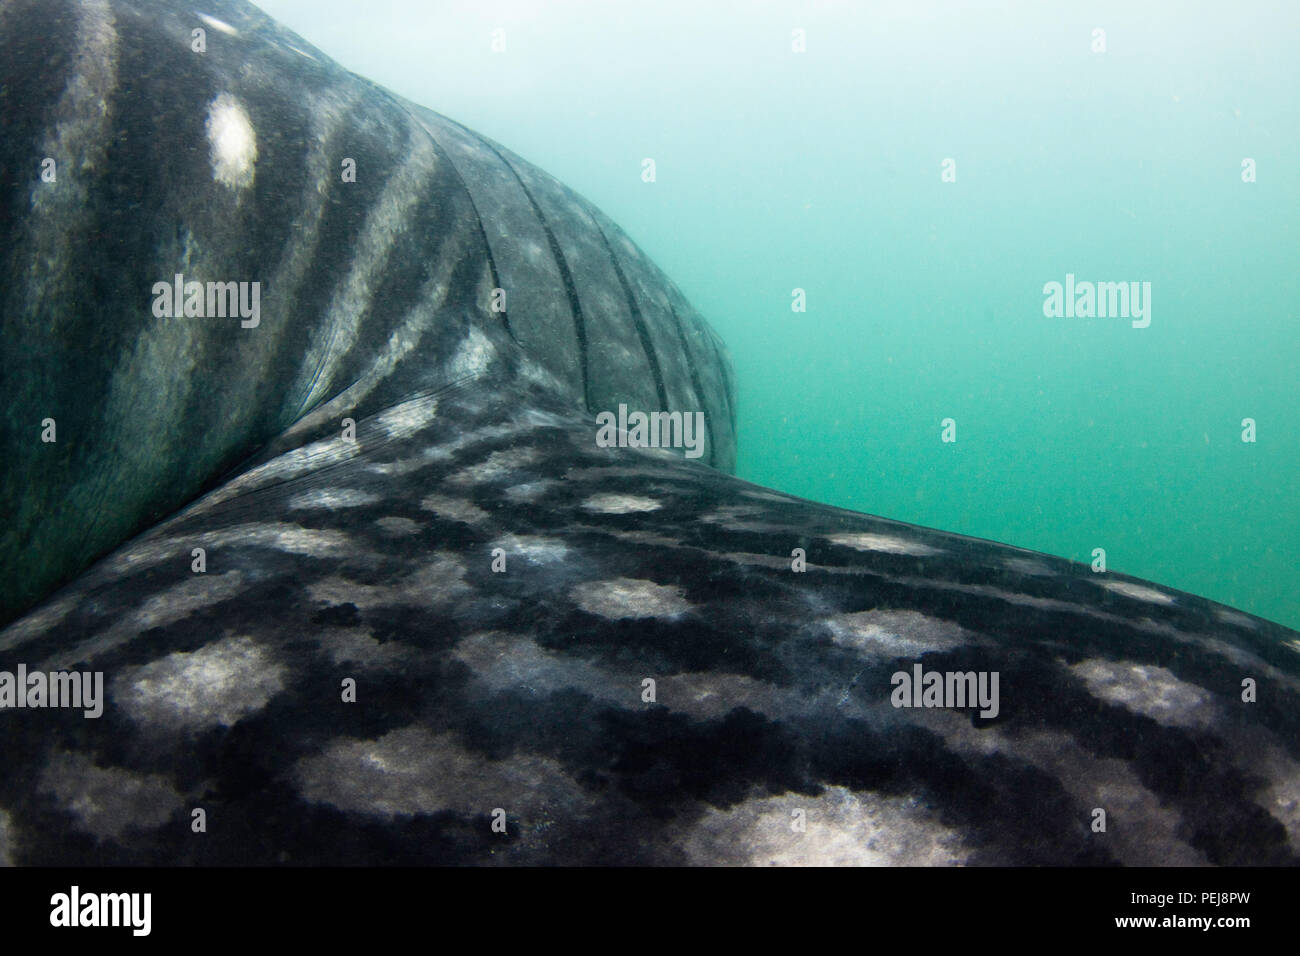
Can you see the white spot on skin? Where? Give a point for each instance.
(611, 504)
(706, 695)
(498, 465)
(1137, 592)
(1027, 566)
(108, 802)
(734, 518)
(474, 357)
(331, 498)
(1013, 597)
(412, 771)
(1152, 691)
(533, 548)
(529, 491)
(630, 597)
(408, 418)
(215, 685)
(532, 373)
(232, 142)
(540, 418)
(300, 540)
(890, 544)
(219, 25)
(770, 496)
(661, 455)
(454, 509)
(1228, 616)
(890, 634)
(843, 828)
(407, 466)
(658, 540)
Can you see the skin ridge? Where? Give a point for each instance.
(352, 272)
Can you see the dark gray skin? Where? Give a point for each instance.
(498, 588)
(151, 411)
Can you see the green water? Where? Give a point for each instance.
(821, 170)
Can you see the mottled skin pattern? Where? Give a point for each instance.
(522, 690)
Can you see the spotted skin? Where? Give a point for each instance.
(522, 689)
(499, 588)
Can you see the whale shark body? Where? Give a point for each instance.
(347, 576)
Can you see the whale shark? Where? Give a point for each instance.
(370, 501)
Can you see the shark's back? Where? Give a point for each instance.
(404, 594)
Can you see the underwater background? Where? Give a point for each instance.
(824, 170)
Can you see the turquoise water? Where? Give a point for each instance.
(821, 171)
